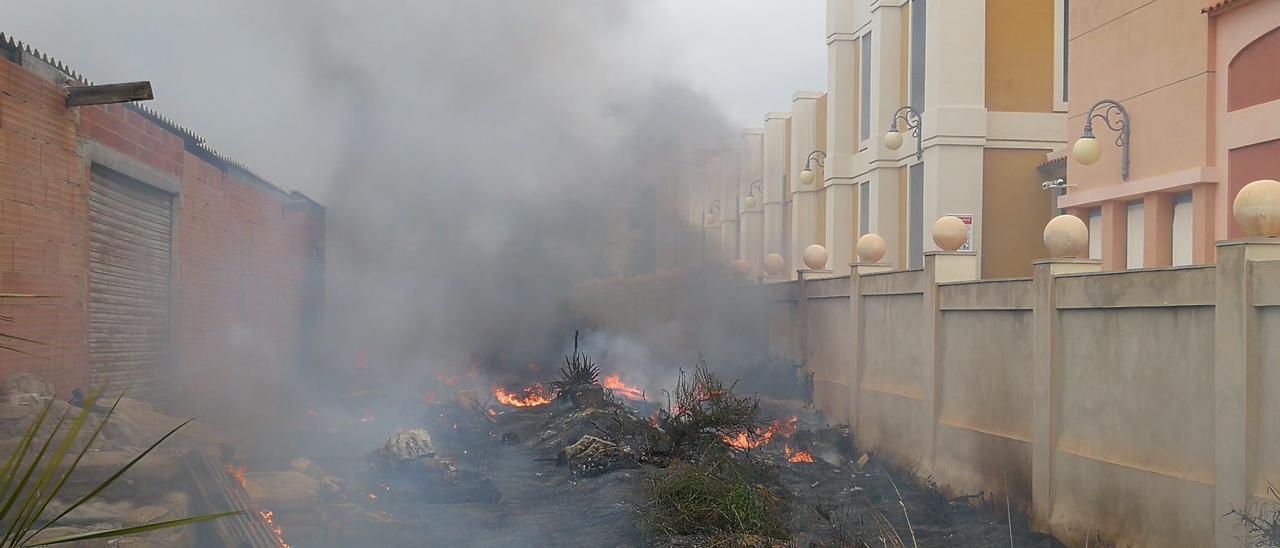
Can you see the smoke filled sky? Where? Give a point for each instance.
(236, 70)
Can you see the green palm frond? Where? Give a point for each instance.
(27, 495)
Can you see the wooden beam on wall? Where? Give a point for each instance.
(78, 96)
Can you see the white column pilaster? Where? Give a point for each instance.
(804, 198)
(777, 155)
(728, 217)
(955, 118)
(886, 98)
(842, 134)
(750, 170)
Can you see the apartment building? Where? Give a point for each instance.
(1183, 97)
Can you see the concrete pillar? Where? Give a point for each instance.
(1115, 235)
(681, 221)
(776, 165)
(886, 97)
(1202, 223)
(955, 116)
(751, 169)
(1046, 360)
(664, 218)
(842, 134)
(703, 189)
(729, 199)
(1235, 374)
(939, 267)
(1157, 219)
(804, 198)
(858, 322)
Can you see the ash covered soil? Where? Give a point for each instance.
(509, 483)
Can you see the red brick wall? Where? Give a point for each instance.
(43, 229)
(241, 252)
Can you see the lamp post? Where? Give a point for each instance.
(751, 199)
(817, 156)
(911, 117)
(1087, 151)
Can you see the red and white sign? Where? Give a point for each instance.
(968, 223)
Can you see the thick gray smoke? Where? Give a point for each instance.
(493, 154)
(477, 158)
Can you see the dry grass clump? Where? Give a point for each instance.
(715, 499)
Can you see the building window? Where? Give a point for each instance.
(1066, 45)
(1095, 233)
(864, 208)
(1182, 229)
(1134, 242)
(865, 93)
(1061, 53)
(915, 217)
(1251, 76)
(918, 11)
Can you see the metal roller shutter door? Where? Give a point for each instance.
(130, 236)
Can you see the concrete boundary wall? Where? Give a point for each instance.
(1134, 407)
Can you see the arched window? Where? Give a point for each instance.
(1252, 78)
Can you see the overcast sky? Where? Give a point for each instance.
(231, 79)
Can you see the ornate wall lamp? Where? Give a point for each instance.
(818, 157)
(910, 117)
(712, 212)
(751, 201)
(1088, 152)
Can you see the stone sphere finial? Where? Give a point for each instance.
(1257, 208)
(870, 248)
(1066, 236)
(741, 268)
(950, 233)
(815, 257)
(773, 264)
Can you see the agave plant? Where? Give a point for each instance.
(28, 486)
(578, 371)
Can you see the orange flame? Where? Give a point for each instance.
(614, 382)
(744, 441)
(237, 473)
(802, 455)
(532, 396)
(750, 440)
(268, 517)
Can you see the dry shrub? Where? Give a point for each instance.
(705, 411)
(1262, 521)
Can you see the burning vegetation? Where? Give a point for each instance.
(710, 467)
(530, 396)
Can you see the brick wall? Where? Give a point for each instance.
(242, 248)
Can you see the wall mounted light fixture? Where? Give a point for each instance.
(751, 201)
(1087, 151)
(818, 157)
(911, 117)
(713, 211)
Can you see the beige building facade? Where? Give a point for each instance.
(984, 83)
